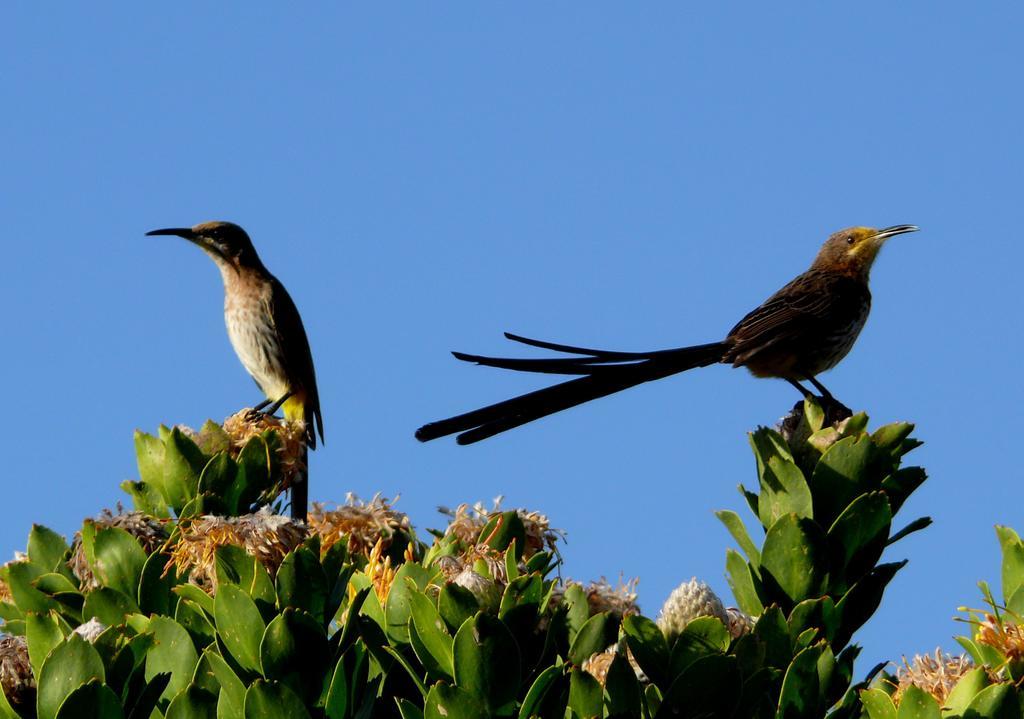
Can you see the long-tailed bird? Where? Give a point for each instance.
(265, 330)
(802, 330)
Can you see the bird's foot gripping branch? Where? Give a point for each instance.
(243, 616)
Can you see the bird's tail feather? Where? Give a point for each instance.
(604, 373)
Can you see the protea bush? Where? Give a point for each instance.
(202, 601)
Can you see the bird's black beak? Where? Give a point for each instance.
(888, 232)
(185, 232)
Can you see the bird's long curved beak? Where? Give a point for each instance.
(888, 232)
(185, 232)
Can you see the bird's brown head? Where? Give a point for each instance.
(227, 243)
(852, 251)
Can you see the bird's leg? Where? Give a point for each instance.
(835, 411)
(825, 394)
(800, 388)
(261, 405)
(272, 409)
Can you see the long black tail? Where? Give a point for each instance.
(602, 373)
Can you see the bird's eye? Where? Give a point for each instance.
(849, 240)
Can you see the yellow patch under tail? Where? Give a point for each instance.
(295, 406)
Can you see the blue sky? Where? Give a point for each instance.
(423, 178)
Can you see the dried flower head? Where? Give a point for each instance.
(379, 571)
(936, 675)
(740, 623)
(148, 531)
(688, 601)
(597, 665)
(91, 630)
(291, 452)
(1004, 636)
(361, 524)
(620, 600)
(5, 592)
(466, 522)
(16, 680)
(463, 572)
(265, 536)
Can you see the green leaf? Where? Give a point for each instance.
(1013, 560)
(196, 622)
(193, 703)
(197, 595)
(819, 614)
(233, 565)
(172, 652)
(784, 489)
(108, 605)
(840, 476)
(42, 633)
(600, 631)
(302, 584)
(46, 548)
(119, 560)
(145, 498)
(575, 600)
(738, 530)
(273, 700)
(142, 697)
(901, 484)
(239, 625)
(702, 637)
(409, 579)
(861, 601)
(890, 437)
(522, 593)
(647, 642)
(430, 638)
(149, 455)
(20, 580)
(586, 697)
(456, 605)
(742, 583)
(183, 462)
(771, 629)
(253, 476)
(691, 694)
(156, 586)
(964, 691)
(858, 537)
(998, 701)
(68, 666)
(232, 690)
(486, 661)
(217, 477)
(448, 702)
(408, 710)
(294, 651)
(621, 689)
(917, 704)
(548, 684)
(800, 695)
(878, 704)
(503, 529)
(349, 688)
(91, 701)
(795, 557)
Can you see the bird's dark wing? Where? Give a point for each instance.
(604, 373)
(298, 359)
(800, 309)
